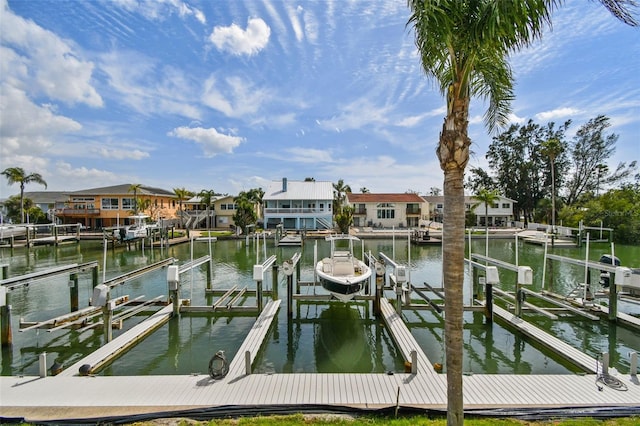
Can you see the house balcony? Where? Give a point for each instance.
(360, 212)
(413, 211)
(296, 210)
(77, 212)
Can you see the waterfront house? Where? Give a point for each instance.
(499, 214)
(221, 212)
(113, 205)
(47, 201)
(298, 205)
(388, 210)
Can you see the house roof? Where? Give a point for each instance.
(46, 197)
(124, 189)
(299, 190)
(384, 198)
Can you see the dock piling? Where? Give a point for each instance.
(6, 338)
(42, 364)
(633, 361)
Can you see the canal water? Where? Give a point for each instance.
(321, 337)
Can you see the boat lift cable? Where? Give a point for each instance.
(608, 380)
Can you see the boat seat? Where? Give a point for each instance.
(343, 269)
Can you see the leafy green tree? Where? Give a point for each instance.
(344, 218)
(478, 179)
(520, 168)
(618, 209)
(245, 212)
(590, 150)
(340, 191)
(19, 176)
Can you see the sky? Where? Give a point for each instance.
(230, 95)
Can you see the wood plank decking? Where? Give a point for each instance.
(572, 354)
(75, 397)
(126, 340)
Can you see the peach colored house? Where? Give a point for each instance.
(113, 205)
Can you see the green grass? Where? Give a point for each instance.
(216, 233)
(320, 419)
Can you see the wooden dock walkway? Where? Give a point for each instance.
(103, 356)
(403, 338)
(579, 358)
(254, 339)
(97, 397)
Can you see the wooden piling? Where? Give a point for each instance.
(73, 292)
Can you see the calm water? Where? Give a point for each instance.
(322, 337)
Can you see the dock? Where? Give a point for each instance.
(570, 353)
(107, 353)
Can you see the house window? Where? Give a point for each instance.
(506, 205)
(109, 203)
(439, 205)
(127, 204)
(494, 205)
(386, 211)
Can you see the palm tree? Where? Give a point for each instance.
(183, 194)
(135, 187)
(465, 46)
(365, 190)
(18, 175)
(488, 197)
(206, 197)
(552, 148)
(340, 191)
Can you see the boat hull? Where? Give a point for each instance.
(343, 288)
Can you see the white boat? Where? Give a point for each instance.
(342, 274)
(140, 229)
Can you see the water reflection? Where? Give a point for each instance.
(342, 341)
(320, 337)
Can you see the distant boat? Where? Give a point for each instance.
(140, 229)
(342, 274)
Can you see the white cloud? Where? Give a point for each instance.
(212, 142)
(356, 115)
(557, 113)
(158, 10)
(27, 128)
(233, 96)
(47, 64)
(309, 155)
(149, 88)
(237, 41)
(119, 154)
(83, 174)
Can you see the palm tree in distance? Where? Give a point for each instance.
(464, 46)
(135, 187)
(206, 198)
(340, 191)
(183, 194)
(488, 197)
(552, 148)
(18, 175)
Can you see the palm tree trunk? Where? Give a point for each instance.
(453, 153)
(453, 276)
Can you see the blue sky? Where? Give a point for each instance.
(229, 95)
